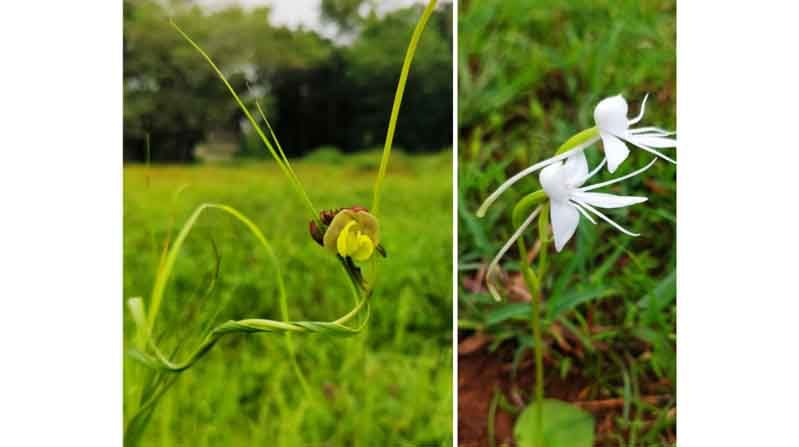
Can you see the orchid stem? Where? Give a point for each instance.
(533, 282)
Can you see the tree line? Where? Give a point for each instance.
(316, 91)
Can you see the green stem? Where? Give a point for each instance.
(336, 327)
(533, 282)
(392, 122)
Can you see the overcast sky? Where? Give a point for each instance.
(295, 13)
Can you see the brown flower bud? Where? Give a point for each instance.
(316, 233)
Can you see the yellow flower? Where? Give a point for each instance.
(353, 233)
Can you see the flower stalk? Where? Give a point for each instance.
(395, 108)
(533, 282)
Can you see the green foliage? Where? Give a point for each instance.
(303, 80)
(397, 375)
(529, 77)
(344, 13)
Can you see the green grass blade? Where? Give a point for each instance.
(293, 174)
(284, 165)
(337, 327)
(392, 123)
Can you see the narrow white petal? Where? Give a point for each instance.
(641, 112)
(604, 200)
(615, 150)
(608, 220)
(617, 180)
(493, 267)
(592, 173)
(529, 170)
(583, 212)
(654, 152)
(564, 217)
(656, 141)
(651, 130)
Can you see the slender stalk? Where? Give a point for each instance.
(533, 282)
(392, 122)
(281, 162)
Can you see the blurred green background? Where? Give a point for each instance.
(328, 99)
(530, 74)
(331, 85)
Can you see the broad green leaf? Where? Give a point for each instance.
(564, 425)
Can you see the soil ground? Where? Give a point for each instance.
(480, 373)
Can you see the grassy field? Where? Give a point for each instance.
(390, 385)
(530, 76)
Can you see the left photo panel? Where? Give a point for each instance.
(287, 223)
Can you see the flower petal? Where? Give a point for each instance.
(369, 225)
(615, 150)
(594, 172)
(651, 130)
(331, 235)
(617, 180)
(344, 241)
(608, 220)
(611, 115)
(553, 181)
(575, 168)
(583, 212)
(640, 113)
(604, 200)
(364, 249)
(564, 217)
(654, 152)
(650, 140)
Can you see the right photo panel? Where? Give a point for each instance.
(567, 223)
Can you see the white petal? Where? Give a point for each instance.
(649, 140)
(494, 265)
(592, 173)
(607, 219)
(583, 212)
(575, 168)
(604, 200)
(617, 180)
(611, 115)
(641, 112)
(653, 151)
(651, 130)
(564, 217)
(615, 151)
(553, 180)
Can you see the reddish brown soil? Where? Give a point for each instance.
(481, 372)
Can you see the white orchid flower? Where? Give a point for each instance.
(568, 198)
(613, 129)
(562, 182)
(610, 116)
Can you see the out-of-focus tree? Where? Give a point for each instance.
(343, 13)
(314, 91)
(373, 63)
